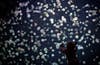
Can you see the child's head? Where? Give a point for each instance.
(71, 45)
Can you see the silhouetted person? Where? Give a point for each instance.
(6, 6)
(70, 52)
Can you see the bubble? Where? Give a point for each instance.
(63, 57)
(51, 20)
(52, 55)
(16, 53)
(42, 40)
(52, 50)
(43, 57)
(51, 11)
(76, 36)
(84, 62)
(34, 48)
(38, 28)
(54, 63)
(45, 50)
(80, 47)
(46, 14)
(94, 59)
(99, 63)
(75, 18)
(89, 31)
(82, 37)
(72, 6)
(58, 3)
(63, 19)
(97, 40)
(63, 9)
(28, 15)
(20, 59)
(26, 54)
(83, 53)
(37, 57)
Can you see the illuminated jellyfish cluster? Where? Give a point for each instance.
(33, 35)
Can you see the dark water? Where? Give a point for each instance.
(32, 35)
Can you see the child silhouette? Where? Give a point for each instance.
(70, 52)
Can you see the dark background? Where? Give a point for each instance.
(27, 36)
